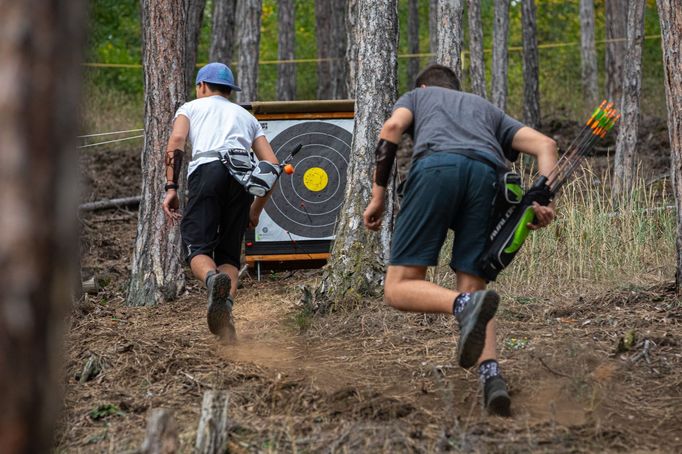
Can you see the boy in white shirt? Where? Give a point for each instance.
(219, 208)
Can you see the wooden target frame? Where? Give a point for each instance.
(299, 220)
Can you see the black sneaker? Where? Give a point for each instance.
(495, 396)
(472, 322)
(219, 316)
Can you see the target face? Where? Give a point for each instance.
(305, 205)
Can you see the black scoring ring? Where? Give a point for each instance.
(297, 208)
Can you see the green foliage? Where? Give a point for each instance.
(104, 411)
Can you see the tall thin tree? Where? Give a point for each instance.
(323, 26)
(358, 256)
(626, 142)
(588, 52)
(500, 54)
(670, 17)
(433, 28)
(195, 17)
(339, 64)
(412, 40)
(222, 33)
(476, 57)
(157, 273)
(450, 35)
(351, 49)
(249, 14)
(286, 72)
(40, 57)
(615, 21)
(531, 77)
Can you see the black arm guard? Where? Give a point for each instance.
(385, 155)
(174, 160)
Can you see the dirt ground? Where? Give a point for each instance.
(586, 374)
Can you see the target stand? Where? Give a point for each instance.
(299, 220)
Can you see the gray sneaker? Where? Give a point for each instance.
(495, 396)
(472, 323)
(219, 316)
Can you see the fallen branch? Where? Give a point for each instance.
(542, 361)
(111, 203)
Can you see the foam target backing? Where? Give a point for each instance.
(304, 206)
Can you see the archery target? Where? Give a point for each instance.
(305, 205)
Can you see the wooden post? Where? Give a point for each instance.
(162, 434)
(212, 432)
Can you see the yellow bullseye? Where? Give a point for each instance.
(315, 179)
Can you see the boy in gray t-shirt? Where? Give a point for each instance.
(458, 138)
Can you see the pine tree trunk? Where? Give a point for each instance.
(670, 17)
(357, 263)
(40, 68)
(626, 143)
(588, 53)
(476, 58)
(222, 34)
(433, 28)
(616, 18)
(412, 41)
(531, 84)
(286, 72)
(338, 44)
(500, 54)
(351, 48)
(450, 35)
(249, 20)
(323, 26)
(157, 273)
(195, 17)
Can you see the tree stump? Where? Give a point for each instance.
(213, 425)
(162, 435)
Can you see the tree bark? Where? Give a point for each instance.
(626, 142)
(450, 35)
(162, 433)
(500, 54)
(351, 48)
(222, 34)
(616, 18)
(670, 17)
(212, 434)
(531, 84)
(357, 263)
(249, 14)
(476, 58)
(40, 75)
(195, 17)
(588, 53)
(157, 273)
(433, 28)
(412, 41)
(286, 72)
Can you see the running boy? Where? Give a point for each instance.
(451, 186)
(219, 208)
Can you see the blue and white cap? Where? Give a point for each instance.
(217, 73)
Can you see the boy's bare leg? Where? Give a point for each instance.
(201, 265)
(405, 289)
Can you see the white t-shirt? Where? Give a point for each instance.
(215, 124)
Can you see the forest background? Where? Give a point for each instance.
(115, 39)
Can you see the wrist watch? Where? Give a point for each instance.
(170, 186)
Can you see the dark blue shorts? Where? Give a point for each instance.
(444, 191)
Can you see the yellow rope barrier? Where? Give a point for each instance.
(402, 56)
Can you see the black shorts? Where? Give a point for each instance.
(216, 216)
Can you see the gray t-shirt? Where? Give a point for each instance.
(451, 120)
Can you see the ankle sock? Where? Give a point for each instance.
(488, 369)
(460, 303)
(209, 276)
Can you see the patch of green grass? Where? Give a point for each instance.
(103, 411)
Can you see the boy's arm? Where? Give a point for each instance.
(391, 133)
(544, 149)
(173, 160)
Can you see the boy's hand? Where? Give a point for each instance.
(171, 203)
(543, 216)
(373, 214)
